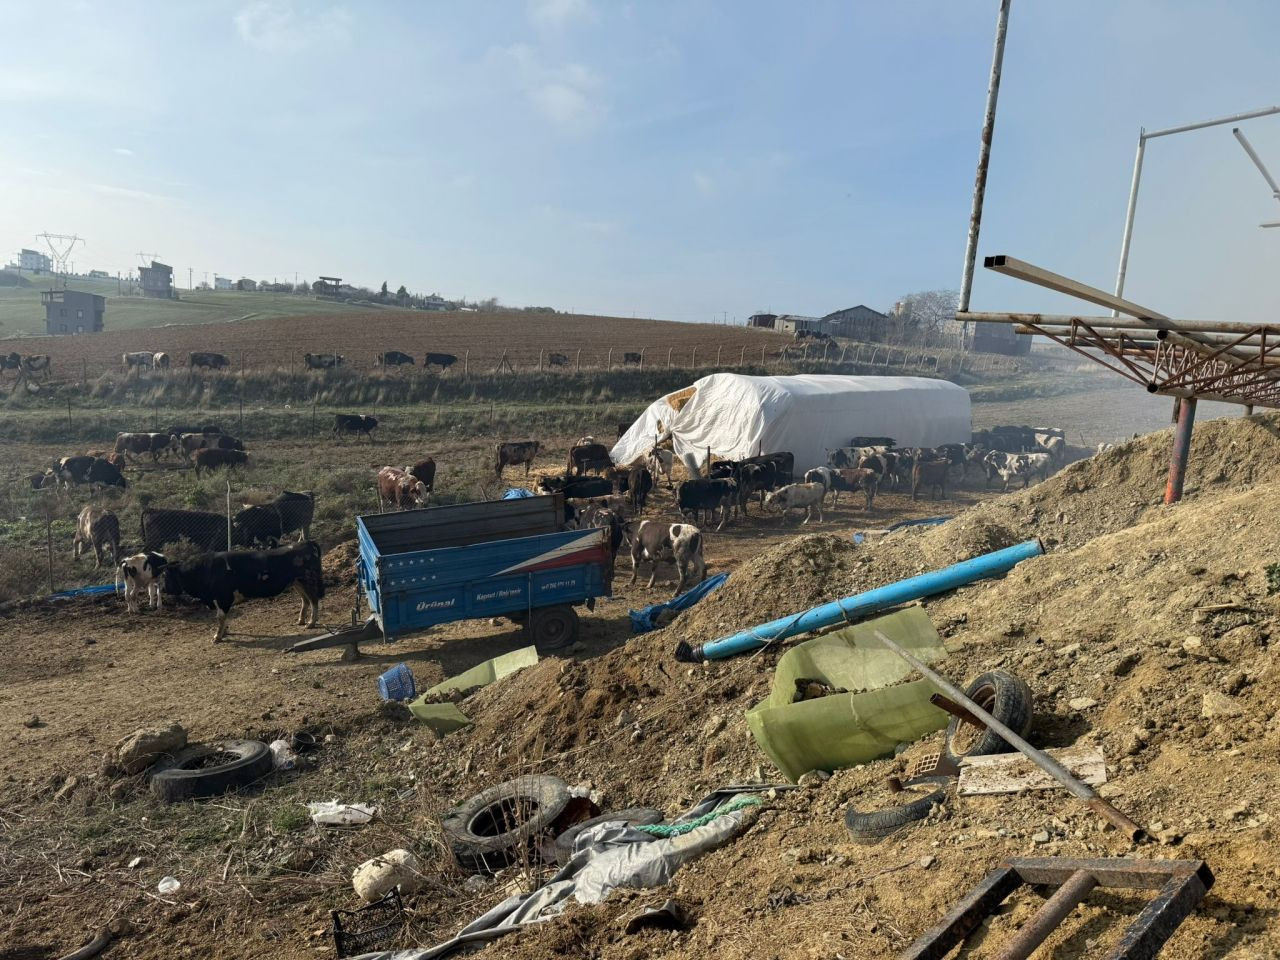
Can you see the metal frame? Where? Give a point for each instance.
(1182, 884)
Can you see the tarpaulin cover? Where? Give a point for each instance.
(518, 493)
(844, 729)
(444, 717)
(642, 621)
(739, 416)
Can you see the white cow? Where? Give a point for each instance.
(795, 496)
(679, 543)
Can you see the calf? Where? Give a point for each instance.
(296, 510)
(97, 527)
(400, 488)
(394, 358)
(808, 496)
(661, 461)
(161, 360)
(142, 571)
(824, 476)
(219, 459)
(442, 360)
(707, 495)
(216, 580)
(40, 363)
(425, 472)
(94, 471)
(636, 483)
(930, 473)
(323, 361)
(356, 424)
(589, 457)
(656, 542)
(140, 360)
(853, 479)
(513, 454)
(207, 360)
(557, 360)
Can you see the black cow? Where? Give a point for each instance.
(589, 457)
(297, 510)
(394, 358)
(206, 531)
(357, 424)
(257, 526)
(442, 360)
(93, 471)
(557, 360)
(217, 459)
(217, 579)
(323, 361)
(577, 488)
(207, 429)
(633, 358)
(207, 360)
(11, 362)
(872, 442)
(703, 494)
(636, 483)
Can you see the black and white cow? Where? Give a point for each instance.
(658, 542)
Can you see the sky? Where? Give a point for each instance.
(687, 160)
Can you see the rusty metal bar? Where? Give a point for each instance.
(1181, 450)
(1119, 323)
(967, 915)
(957, 711)
(1021, 270)
(1036, 930)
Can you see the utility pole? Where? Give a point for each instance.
(190, 286)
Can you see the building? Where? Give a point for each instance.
(998, 338)
(328, 286)
(765, 320)
(34, 261)
(223, 283)
(244, 283)
(791, 323)
(99, 275)
(157, 281)
(72, 312)
(857, 323)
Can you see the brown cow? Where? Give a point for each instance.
(115, 459)
(399, 488)
(515, 453)
(930, 473)
(425, 472)
(852, 479)
(589, 457)
(97, 527)
(217, 459)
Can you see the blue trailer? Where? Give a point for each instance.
(509, 558)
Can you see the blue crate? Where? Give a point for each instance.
(397, 684)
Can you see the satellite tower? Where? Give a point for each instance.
(60, 246)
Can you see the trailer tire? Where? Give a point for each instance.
(632, 816)
(186, 776)
(552, 628)
(874, 825)
(1005, 697)
(501, 825)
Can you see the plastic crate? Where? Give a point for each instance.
(397, 684)
(377, 925)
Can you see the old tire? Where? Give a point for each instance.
(210, 769)
(503, 824)
(874, 825)
(633, 816)
(552, 628)
(1005, 697)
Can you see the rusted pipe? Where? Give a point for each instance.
(1054, 910)
(1041, 759)
(957, 711)
(1181, 450)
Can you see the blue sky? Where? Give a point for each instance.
(676, 160)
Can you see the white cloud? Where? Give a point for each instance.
(558, 13)
(128, 193)
(278, 27)
(571, 96)
(123, 151)
(705, 183)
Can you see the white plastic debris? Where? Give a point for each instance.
(282, 755)
(331, 813)
(169, 885)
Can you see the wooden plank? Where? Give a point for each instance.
(1014, 773)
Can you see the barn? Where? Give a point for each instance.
(738, 416)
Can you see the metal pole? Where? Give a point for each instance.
(1054, 910)
(1128, 217)
(1181, 450)
(1038, 757)
(228, 513)
(984, 160)
(1257, 161)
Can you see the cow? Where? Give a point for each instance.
(142, 571)
(610, 520)
(886, 443)
(661, 461)
(394, 358)
(217, 579)
(425, 472)
(557, 360)
(575, 489)
(207, 360)
(12, 361)
(135, 444)
(189, 443)
(141, 360)
(1012, 466)
(656, 542)
(514, 453)
(824, 476)
(296, 510)
(442, 360)
(634, 359)
(358, 424)
(795, 496)
(399, 488)
(256, 526)
(94, 471)
(930, 473)
(219, 459)
(39, 481)
(636, 483)
(590, 457)
(71, 470)
(708, 495)
(40, 363)
(851, 479)
(180, 429)
(323, 361)
(97, 527)
(161, 360)
(1056, 447)
(205, 530)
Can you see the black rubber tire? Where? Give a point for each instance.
(179, 778)
(1005, 697)
(552, 628)
(874, 825)
(635, 816)
(504, 823)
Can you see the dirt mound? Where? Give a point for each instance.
(339, 563)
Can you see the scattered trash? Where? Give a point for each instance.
(666, 830)
(142, 748)
(135, 863)
(303, 741)
(669, 915)
(647, 618)
(518, 493)
(1014, 773)
(282, 755)
(444, 717)
(873, 826)
(1005, 697)
(1182, 885)
(32, 722)
(168, 885)
(331, 813)
(397, 684)
(843, 729)
(441, 717)
(862, 605)
(209, 769)
(633, 816)
(505, 823)
(395, 870)
(862, 535)
(358, 931)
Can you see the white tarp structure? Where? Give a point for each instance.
(738, 416)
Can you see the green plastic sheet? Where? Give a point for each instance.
(446, 717)
(845, 729)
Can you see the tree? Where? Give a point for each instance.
(382, 294)
(928, 316)
(401, 294)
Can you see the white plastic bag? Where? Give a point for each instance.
(331, 813)
(169, 885)
(282, 755)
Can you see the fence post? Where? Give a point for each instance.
(669, 350)
(763, 361)
(693, 363)
(609, 361)
(844, 353)
(291, 364)
(806, 351)
(313, 416)
(48, 540)
(718, 349)
(466, 363)
(642, 350)
(68, 418)
(742, 358)
(241, 364)
(155, 414)
(241, 427)
(539, 361)
(84, 372)
(228, 513)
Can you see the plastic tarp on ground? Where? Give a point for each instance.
(844, 729)
(647, 618)
(446, 717)
(739, 416)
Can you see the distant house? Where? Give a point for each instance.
(791, 323)
(99, 275)
(34, 261)
(328, 286)
(857, 323)
(436, 302)
(72, 312)
(246, 284)
(765, 320)
(157, 281)
(223, 283)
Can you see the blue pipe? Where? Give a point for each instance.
(862, 604)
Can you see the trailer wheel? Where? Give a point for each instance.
(551, 628)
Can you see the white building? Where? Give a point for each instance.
(223, 283)
(34, 261)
